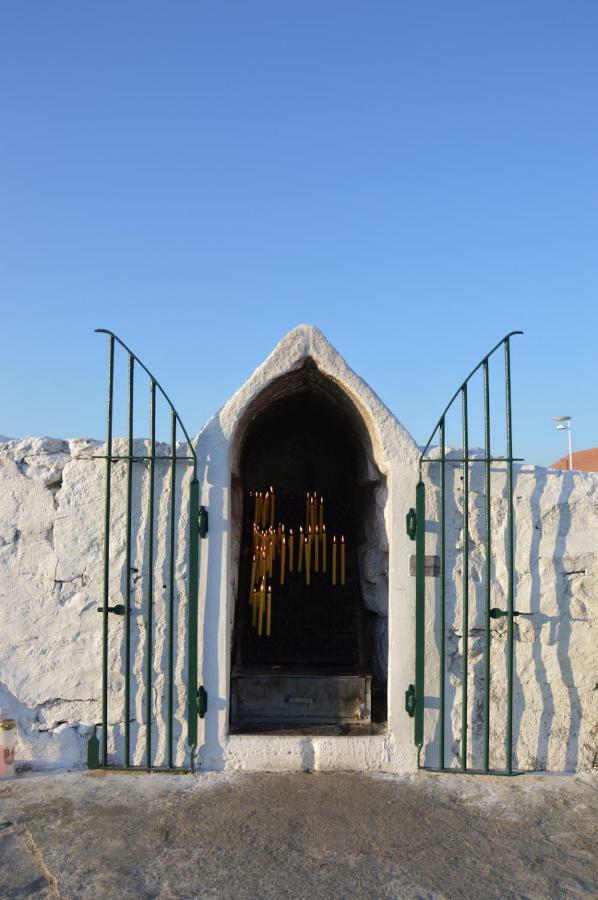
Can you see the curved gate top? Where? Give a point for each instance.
(457, 608)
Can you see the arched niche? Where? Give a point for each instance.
(304, 433)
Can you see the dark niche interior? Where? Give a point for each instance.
(311, 666)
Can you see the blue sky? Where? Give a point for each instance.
(415, 178)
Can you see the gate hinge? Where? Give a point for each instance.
(411, 523)
(201, 698)
(410, 700)
(202, 521)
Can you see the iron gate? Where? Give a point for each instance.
(477, 614)
(150, 555)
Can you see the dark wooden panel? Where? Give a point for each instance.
(301, 699)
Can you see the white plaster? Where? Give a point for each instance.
(51, 539)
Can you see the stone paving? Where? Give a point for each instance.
(96, 835)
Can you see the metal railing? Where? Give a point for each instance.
(415, 700)
(195, 531)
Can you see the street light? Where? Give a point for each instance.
(565, 425)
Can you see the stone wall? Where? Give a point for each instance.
(555, 689)
(51, 505)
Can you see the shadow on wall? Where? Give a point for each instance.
(555, 715)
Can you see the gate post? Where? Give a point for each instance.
(420, 610)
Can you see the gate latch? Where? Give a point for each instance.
(118, 610)
(201, 698)
(411, 523)
(410, 701)
(202, 521)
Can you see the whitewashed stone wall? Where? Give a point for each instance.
(51, 538)
(555, 703)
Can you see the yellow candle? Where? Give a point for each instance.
(260, 615)
(323, 548)
(317, 549)
(266, 510)
(334, 559)
(258, 508)
(252, 582)
(255, 602)
(321, 511)
(307, 560)
(270, 557)
(343, 560)
(272, 507)
(301, 548)
(291, 549)
(283, 552)
(306, 510)
(269, 612)
(312, 514)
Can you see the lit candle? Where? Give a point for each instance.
(323, 548)
(260, 615)
(255, 602)
(272, 507)
(252, 582)
(306, 510)
(312, 514)
(307, 560)
(269, 612)
(343, 560)
(265, 510)
(321, 511)
(317, 549)
(291, 549)
(283, 552)
(334, 560)
(270, 556)
(258, 507)
(251, 494)
(301, 548)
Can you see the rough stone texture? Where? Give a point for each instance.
(51, 516)
(556, 582)
(301, 836)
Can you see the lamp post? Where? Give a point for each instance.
(565, 425)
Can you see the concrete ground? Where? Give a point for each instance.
(94, 835)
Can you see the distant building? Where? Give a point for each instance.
(583, 461)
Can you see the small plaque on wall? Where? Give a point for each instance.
(432, 566)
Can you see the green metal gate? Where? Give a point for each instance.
(437, 614)
(151, 514)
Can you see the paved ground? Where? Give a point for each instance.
(290, 836)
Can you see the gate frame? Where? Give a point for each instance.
(416, 529)
(197, 698)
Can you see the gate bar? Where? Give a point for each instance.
(171, 592)
(128, 567)
(192, 710)
(465, 627)
(150, 581)
(510, 545)
(107, 554)
(488, 567)
(442, 586)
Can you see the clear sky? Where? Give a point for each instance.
(415, 178)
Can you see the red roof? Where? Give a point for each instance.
(583, 461)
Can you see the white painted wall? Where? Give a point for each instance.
(51, 510)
